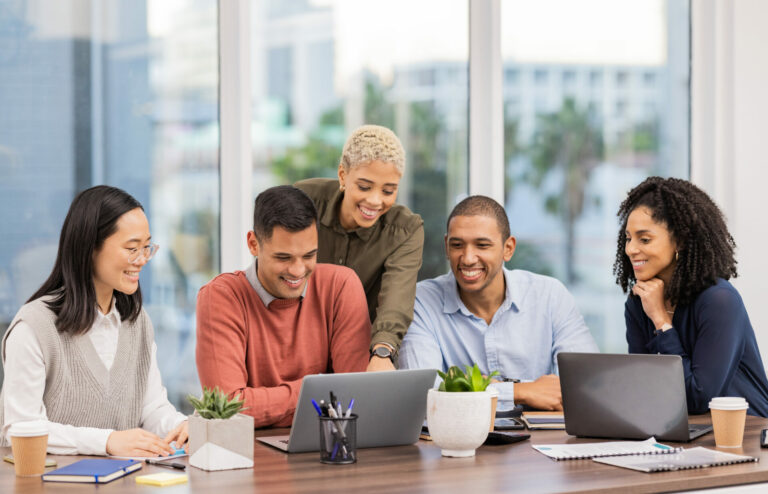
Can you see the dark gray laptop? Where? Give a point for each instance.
(625, 396)
(390, 406)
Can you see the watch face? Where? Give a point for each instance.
(383, 352)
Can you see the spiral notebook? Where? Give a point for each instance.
(690, 458)
(596, 450)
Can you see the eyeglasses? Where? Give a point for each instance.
(144, 253)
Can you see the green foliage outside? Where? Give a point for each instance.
(317, 158)
(568, 142)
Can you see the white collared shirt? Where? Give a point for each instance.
(24, 386)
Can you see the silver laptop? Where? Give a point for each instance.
(390, 406)
(625, 396)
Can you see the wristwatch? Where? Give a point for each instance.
(383, 352)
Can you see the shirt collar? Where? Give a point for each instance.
(452, 301)
(112, 316)
(331, 219)
(266, 297)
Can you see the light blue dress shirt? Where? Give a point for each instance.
(537, 320)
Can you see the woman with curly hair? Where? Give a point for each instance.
(361, 227)
(675, 256)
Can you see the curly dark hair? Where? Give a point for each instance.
(706, 248)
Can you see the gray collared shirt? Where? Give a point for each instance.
(264, 295)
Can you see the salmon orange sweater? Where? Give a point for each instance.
(264, 352)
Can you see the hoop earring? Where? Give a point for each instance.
(677, 256)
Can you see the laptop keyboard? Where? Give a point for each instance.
(696, 430)
(284, 441)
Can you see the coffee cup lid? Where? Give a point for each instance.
(728, 403)
(29, 428)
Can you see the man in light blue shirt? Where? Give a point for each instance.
(514, 322)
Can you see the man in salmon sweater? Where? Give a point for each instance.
(261, 330)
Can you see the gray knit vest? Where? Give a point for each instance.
(78, 388)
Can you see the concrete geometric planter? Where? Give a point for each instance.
(221, 444)
(458, 422)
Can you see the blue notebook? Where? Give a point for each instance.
(98, 471)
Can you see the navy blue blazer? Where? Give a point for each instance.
(716, 341)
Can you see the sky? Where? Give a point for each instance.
(380, 34)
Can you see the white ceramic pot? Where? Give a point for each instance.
(458, 422)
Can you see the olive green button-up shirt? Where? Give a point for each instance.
(386, 257)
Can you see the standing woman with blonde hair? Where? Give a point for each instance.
(361, 227)
(675, 256)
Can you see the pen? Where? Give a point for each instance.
(158, 463)
(349, 410)
(317, 407)
(333, 399)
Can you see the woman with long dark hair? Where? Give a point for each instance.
(80, 354)
(675, 257)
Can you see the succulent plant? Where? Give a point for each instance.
(215, 404)
(456, 380)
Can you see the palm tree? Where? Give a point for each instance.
(568, 142)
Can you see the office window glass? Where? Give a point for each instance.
(573, 150)
(120, 93)
(322, 68)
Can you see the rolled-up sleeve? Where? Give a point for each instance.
(398, 290)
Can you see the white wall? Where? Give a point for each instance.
(729, 139)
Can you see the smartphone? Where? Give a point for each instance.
(508, 424)
(496, 438)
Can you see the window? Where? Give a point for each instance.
(596, 79)
(621, 78)
(649, 79)
(132, 101)
(562, 209)
(511, 77)
(406, 71)
(88, 102)
(569, 78)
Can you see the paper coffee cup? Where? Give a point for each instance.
(29, 442)
(494, 401)
(728, 417)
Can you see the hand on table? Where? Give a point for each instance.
(180, 435)
(541, 394)
(136, 442)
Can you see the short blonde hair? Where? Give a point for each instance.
(373, 143)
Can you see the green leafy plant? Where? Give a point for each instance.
(456, 380)
(215, 404)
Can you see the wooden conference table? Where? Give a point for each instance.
(421, 468)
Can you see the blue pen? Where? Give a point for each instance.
(335, 450)
(349, 410)
(317, 407)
